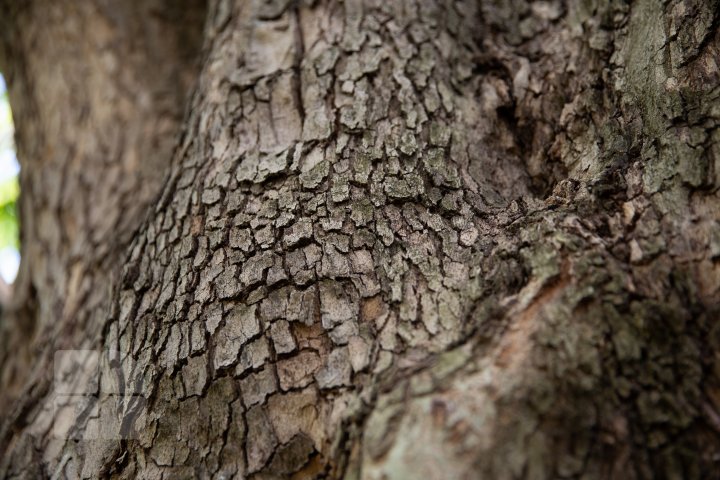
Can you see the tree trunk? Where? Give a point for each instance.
(394, 239)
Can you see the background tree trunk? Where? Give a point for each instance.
(440, 239)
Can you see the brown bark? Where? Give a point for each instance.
(447, 239)
(97, 91)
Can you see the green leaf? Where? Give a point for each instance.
(9, 232)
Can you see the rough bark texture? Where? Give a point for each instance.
(97, 91)
(397, 239)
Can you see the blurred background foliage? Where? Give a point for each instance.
(9, 191)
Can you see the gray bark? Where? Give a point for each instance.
(440, 239)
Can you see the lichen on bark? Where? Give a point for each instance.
(446, 239)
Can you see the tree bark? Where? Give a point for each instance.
(440, 239)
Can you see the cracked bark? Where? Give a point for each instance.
(394, 239)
